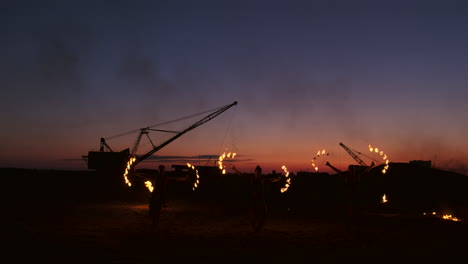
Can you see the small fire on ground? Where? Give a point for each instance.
(444, 216)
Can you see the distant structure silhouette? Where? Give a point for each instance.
(258, 207)
(421, 163)
(106, 159)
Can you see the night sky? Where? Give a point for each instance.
(307, 75)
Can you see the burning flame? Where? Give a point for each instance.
(221, 158)
(288, 180)
(383, 155)
(384, 199)
(446, 216)
(197, 180)
(149, 185)
(319, 154)
(127, 170)
(450, 217)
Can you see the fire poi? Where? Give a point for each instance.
(319, 156)
(288, 180)
(128, 169)
(382, 155)
(385, 169)
(197, 179)
(223, 156)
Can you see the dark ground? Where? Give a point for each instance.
(69, 217)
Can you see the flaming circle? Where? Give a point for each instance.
(382, 155)
(320, 155)
(197, 179)
(223, 156)
(288, 180)
(128, 169)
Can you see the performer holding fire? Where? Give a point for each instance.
(258, 205)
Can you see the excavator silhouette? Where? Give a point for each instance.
(112, 165)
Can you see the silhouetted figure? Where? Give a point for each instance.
(354, 197)
(258, 205)
(158, 197)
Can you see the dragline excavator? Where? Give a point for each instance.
(362, 167)
(108, 161)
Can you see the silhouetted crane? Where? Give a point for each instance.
(355, 157)
(106, 159)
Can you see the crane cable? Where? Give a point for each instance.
(165, 123)
(225, 134)
(369, 157)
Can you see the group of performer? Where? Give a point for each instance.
(258, 206)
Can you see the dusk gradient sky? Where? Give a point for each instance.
(307, 75)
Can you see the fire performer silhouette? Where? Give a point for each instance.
(157, 199)
(258, 207)
(353, 195)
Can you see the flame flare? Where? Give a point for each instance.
(197, 179)
(382, 155)
(450, 217)
(445, 216)
(288, 180)
(320, 154)
(221, 158)
(384, 198)
(128, 169)
(149, 185)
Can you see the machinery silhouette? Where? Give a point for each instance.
(109, 163)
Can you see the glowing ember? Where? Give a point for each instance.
(445, 216)
(223, 156)
(197, 179)
(288, 180)
(149, 185)
(450, 217)
(315, 160)
(128, 169)
(384, 199)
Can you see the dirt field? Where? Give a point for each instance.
(206, 229)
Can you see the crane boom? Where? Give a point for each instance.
(103, 161)
(355, 157)
(333, 168)
(197, 124)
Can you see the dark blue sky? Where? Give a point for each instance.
(307, 75)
